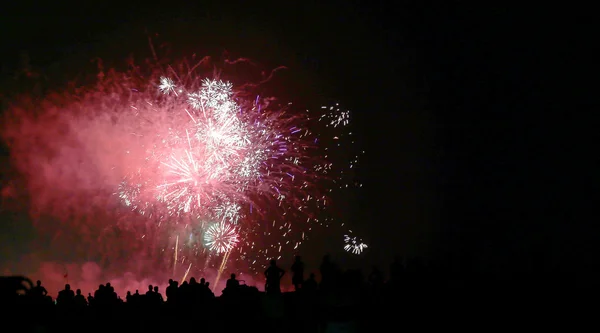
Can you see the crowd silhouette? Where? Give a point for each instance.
(340, 298)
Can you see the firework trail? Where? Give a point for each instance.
(186, 273)
(222, 267)
(175, 255)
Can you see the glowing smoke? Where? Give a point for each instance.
(75, 149)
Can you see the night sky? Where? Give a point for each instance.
(470, 156)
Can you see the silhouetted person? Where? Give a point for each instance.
(66, 296)
(273, 275)
(80, 299)
(150, 293)
(196, 290)
(105, 295)
(158, 296)
(90, 299)
(298, 273)
(129, 297)
(176, 293)
(183, 293)
(111, 295)
(207, 294)
(38, 292)
(232, 286)
(232, 283)
(328, 273)
(98, 294)
(171, 291)
(184, 286)
(310, 285)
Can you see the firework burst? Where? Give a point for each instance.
(180, 150)
(221, 237)
(227, 158)
(221, 156)
(354, 245)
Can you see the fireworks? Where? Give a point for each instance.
(228, 158)
(221, 237)
(222, 157)
(183, 150)
(216, 159)
(354, 245)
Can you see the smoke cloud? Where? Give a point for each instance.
(71, 151)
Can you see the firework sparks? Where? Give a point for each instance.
(354, 244)
(221, 156)
(204, 149)
(221, 237)
(228, 158)
(166, 85)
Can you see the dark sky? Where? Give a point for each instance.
(460, 108)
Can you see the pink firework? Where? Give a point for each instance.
(223, 155)
(226, 158)
(178, 149)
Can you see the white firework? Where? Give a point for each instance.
(354, 244)
(221, 237)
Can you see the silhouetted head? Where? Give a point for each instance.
(67, 286)
(39, 283)
(273, 262)
(207, 283)
(170, 281)
(137, 291)
(202, 280)
(78, 292)
(193, 280)
(128, 293)
(232, 276)
(107, 284)
(150, 288)
(156, 289)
